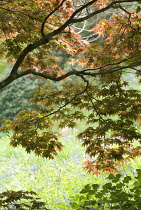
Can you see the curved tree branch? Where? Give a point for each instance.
(111, 5)
(86, 72)
(46, 38)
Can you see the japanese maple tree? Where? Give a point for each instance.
(31, 31)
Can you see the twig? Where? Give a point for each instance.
(47, 17)
(61, 107)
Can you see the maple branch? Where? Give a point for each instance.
(111, 64)
(95, 108)
(85, 72)
(14, 72)
(28, 49)
(112, 70)
(47, 17)
(124, 10)
(70, 20)
(93, 105)
(101, 10)
(14, 75)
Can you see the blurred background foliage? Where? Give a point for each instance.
(2, 66)
(15, 96)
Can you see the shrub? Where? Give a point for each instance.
(119, 192)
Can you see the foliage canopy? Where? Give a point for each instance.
(102, 43)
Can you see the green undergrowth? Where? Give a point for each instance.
(53, 180)
(57, 182)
